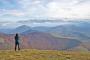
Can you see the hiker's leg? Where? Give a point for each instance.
(15, 47)
(18, 47)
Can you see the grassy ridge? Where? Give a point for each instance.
(43, 55)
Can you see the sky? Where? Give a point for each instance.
(12, 11)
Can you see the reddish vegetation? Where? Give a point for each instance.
(37, 40)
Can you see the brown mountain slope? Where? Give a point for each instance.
(38, 40)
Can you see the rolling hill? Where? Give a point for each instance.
(73, 36)
(39, 40)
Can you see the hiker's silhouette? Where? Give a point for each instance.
(17, 42)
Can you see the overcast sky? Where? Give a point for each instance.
(17, 10)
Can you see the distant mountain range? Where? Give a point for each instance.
(73, 36)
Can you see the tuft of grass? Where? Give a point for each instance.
(43, 55)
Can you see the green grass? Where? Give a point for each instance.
(43, 55)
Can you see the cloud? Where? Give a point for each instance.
(75, 10)
(39, 21)
(56, 8)
(59, 9)
(16, 13)
(33, 8)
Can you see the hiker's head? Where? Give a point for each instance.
(16, 34)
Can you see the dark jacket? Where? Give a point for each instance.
(16, 39)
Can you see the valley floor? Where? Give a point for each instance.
(43, 55)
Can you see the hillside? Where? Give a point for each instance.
(72, 36)
(39, 40)
(43, 55)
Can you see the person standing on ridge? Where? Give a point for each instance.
(17, 42)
